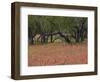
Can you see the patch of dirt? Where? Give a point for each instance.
(57, 54)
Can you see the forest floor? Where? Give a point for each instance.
(57, 54)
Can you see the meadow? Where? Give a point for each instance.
(57, 54)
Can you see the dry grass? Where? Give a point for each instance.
(57, 54)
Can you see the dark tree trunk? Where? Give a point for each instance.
(77, 36)
(33, 38)
(65, 37)
(43, 38)
(82, 32)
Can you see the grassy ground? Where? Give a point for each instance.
(57, 54)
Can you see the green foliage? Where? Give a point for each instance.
(72, 27)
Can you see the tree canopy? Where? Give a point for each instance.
(71, 29)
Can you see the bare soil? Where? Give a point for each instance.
(57, 54)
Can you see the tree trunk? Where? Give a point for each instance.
(43, 38)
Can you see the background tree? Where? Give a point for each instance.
(48, 28)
